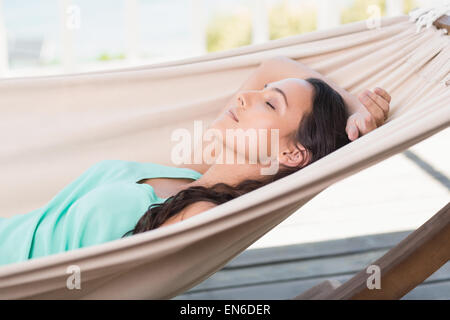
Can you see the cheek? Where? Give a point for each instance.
(262, 121)
(276, 129)
(279, 134)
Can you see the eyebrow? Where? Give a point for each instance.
(278, 90)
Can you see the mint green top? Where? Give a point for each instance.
(101, 205)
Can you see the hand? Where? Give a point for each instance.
(372, 114)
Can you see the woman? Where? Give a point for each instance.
(118, 198)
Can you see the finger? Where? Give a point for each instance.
(352, 129)
(372, 108)
(365, 124)
(383, 93)
(381, 102)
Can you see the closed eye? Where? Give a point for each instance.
(271, 105)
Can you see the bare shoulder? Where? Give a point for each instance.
(196, 208)
(190, 211)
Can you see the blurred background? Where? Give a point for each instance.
(336, 234)
(63, 36)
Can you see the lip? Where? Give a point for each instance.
(232, 115)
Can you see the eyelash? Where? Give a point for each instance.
(270, 105)
(265, 86)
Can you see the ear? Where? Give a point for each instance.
(294, 156)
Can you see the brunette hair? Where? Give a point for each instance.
(321, 132)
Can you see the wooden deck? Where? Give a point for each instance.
(286, 271)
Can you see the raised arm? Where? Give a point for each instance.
(367, 111)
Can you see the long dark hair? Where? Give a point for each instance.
(321, 132)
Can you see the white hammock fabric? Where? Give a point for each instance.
(54, 128)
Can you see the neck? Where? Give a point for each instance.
(229, 173)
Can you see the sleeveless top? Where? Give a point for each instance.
(101, 205)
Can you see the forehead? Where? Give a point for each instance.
(299, 93)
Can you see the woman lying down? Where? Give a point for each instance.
(115, 199)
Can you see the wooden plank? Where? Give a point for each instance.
(307, 251)
(289, 289)
(316, 262)
(406, 265)
(319, 290)
(270, 291)
(314, 268)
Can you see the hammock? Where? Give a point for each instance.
(55, 127)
